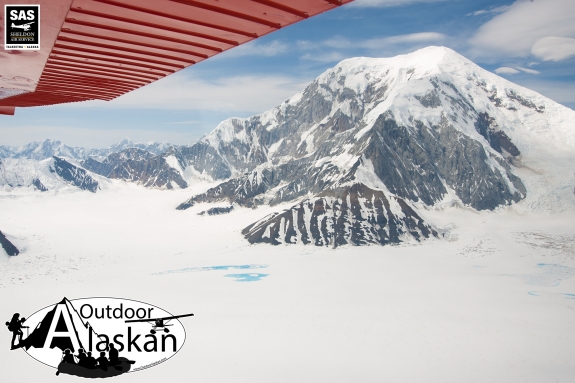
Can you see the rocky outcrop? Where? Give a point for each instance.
(355, 215)
(74, 175)
(217, 210)
(205, 159)
(39, 185)
(418, 163)
(10, 249)
(139, 166)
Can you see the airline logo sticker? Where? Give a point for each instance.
(22, 27)
(98, 337)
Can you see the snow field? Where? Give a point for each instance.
(474, 307)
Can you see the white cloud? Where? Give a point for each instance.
(477, 13)
(506, 70)
(387, 3)
(426, 37)
(254, 48)
(375, 47)
(340, 42)
(188, 122)
(515, 31)
(324, 57)
(306, 44)
(553, 48)
(509, 71)
(495, 10)
(241, 94)
(530, 71)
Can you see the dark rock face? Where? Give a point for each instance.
(8, 246)
(498, 140)
(288, 181)
(415, 164)
(242, 191)
(514, 96)
(205, 159)
(114, 160)
(100, 168)
(430, 100)
(151, 173)
(39, 186)
(217, 210)
(355, 215)
(140, 166)
(74, 175)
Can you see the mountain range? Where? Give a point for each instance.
(40, 150)
(361, 153)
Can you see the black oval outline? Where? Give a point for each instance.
(133, 300)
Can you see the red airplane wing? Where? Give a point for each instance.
(101, 49)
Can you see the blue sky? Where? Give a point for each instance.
(529, 42)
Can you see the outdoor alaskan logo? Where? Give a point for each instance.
(98, 337)
(22, 27)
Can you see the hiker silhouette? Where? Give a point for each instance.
(38, 336)
(15, 326)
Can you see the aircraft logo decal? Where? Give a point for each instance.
(21, 27)
(25, 27)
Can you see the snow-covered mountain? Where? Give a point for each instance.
(50, 162)
(41, 150)
(424, 130)
(155, 148)
(173, 168)
(48, 174)
(142, 167)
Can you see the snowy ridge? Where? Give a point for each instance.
(50, 174)
(41, 150)
(141, 167)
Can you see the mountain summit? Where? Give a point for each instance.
(412, 131)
